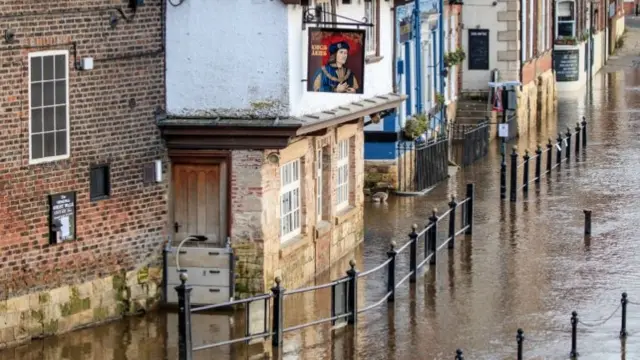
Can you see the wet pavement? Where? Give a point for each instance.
(527, 265)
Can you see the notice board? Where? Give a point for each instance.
(566, 63)
(62, 217)
(478, 54)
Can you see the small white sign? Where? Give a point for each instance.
(503, 130)
(559, 147)
(566, 144)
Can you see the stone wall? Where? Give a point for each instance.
(256, 216)
(69, 307)
(537, 97)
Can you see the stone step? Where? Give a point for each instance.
(475, 95)
(473, 113)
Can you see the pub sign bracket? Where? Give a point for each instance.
(313, 16)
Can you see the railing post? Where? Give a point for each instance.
(352, 294)
(433, 236)
(559, 150)
(587, 222)
(550, 155)
(459, 355)
(584, 132)
(525, 172)
(578, 138)
(574, 335)
(185, 346)
(538, 162)
(568, 153)
(469, 208)
(514, 173)
(520, 340)
(452, 222)
(413, 253)
(391, 271)
(623, 326)
(278, 314)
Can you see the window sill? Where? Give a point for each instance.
(292, 245)
(322, 227)
(345, 214)
(372, 59)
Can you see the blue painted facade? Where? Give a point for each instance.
(419, 65)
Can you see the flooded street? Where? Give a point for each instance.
(527, 266)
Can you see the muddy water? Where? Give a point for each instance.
(527, 266)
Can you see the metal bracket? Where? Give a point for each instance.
(313, 16)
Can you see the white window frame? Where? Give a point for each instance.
(342, 175)
(532, 27)
(288, 186)
(543, 29)
(557, 22)
(523, 34)
(370, 8)
(319, 185)
(42, 54)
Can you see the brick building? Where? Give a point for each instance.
(80, 82)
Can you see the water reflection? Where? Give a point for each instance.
(528, 265)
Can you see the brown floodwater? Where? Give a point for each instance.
(526, 266)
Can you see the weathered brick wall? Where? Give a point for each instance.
(113, 234)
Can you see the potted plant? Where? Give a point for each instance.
(439, 99)
(415, 126)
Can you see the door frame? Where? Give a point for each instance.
(194, 157)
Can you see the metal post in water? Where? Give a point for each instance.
(413, 253)
(587, 222)
(525, 172)
(391, 271)
(550, 155)
(520, 340)
(574, 335)
(452, 222)
(578, 138)
(469, 207)
(623, 326)
(459, 355)
(277, 326)
(352, 294)
(433, 236)
(584, 132)
(538, 163)
(514, 173)
(559, 149)
(568, 153)
(185, 346)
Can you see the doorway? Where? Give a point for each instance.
(200, 192)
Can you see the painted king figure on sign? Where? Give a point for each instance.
(334, 76)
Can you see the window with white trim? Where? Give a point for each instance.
(48, 106)
(290, 217)
(530, 29)
(566, 19)
(342, 183)
(319, 185)
(371, 46)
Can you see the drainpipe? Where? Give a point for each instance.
(418, 66)
(443, 111)
(523, 35)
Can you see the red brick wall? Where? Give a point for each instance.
(112, 234)
(536, 66)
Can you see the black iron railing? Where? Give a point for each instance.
(522, 169)
(422, 166)
(344, 291)
(471, 142)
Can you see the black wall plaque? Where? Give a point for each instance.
(566, 63)
(62, 217)
(478, 53)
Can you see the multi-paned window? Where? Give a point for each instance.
(370, 9)
(290, 200)
(565, 19)
(342, 184)
(48, 106)
(319, 185)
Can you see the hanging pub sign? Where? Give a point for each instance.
(62, 217)
(336, 60)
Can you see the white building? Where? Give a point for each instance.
(284, 151)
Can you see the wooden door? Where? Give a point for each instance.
(199, 201)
